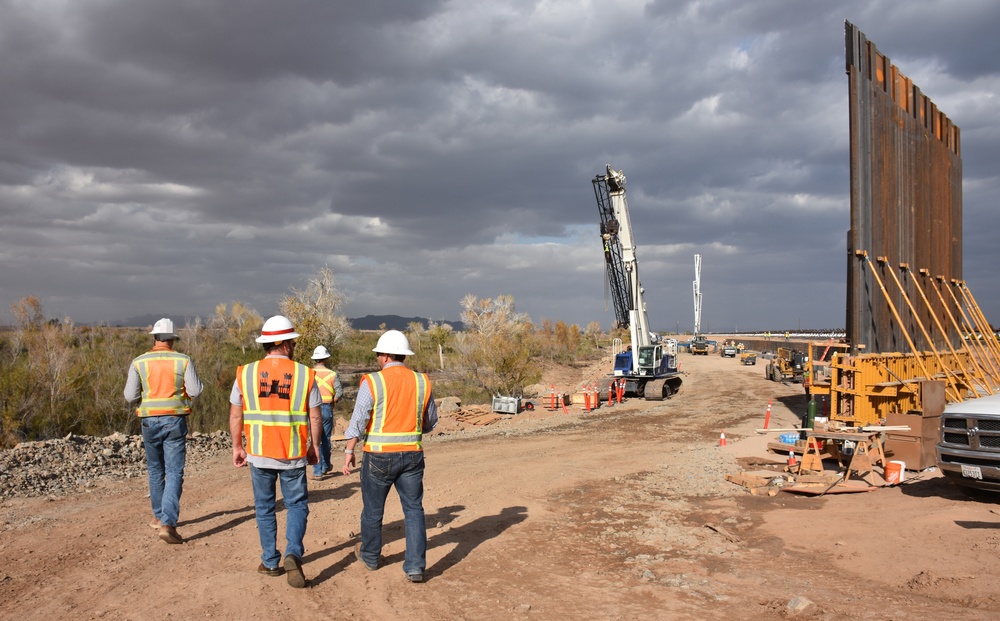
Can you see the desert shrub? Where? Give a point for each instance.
(316, 314)
(498, 348)
(432, 347)
(356, 350)
(467, 392)
(559, 342)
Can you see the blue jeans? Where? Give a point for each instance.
(165, 439)
(324, 442)
(405, 471)
(296, 499)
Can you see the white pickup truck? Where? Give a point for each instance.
(969, 450)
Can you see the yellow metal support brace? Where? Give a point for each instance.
(976, 346)
(981, 373)
(984, 325)
(937, 322)
(950, 381)
(895, 313)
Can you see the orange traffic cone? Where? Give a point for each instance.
(791, 459)
(722, 438)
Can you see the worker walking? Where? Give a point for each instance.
(163, 382)
(394, 408)
(275, 402)
(331, 390)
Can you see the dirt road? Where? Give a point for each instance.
(622, 513)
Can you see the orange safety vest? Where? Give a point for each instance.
(276, 407)
(401, 397)
(324, 379)
(161, 372)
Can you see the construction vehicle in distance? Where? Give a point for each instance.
(699, 345)
(728, 350)
(788, 365)
(649, 364)
(747, 358)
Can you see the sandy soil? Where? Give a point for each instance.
(622, 513)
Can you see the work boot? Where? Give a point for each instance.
(170, 535)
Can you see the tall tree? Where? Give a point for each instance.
(498, 346)
(316, 314)
(237, 325)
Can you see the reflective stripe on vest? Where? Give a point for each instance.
(400, 399)
(275, 407)
(162, 377)
(324, 379)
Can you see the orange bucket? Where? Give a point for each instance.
(894, 472)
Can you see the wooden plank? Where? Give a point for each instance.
(781, 447)
(765, 474)
(747, 480)
(818, 490)
(817, 478)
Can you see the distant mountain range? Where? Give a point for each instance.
(368, 322)
(395, 322)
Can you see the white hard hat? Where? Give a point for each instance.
(277, 329)
(164, 329)
(393, 342)
(320, 353)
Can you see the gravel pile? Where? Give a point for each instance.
(75, 463)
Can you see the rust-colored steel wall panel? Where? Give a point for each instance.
(906, 207)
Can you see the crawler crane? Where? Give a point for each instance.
(649, 366)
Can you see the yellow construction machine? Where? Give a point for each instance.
(787, 365)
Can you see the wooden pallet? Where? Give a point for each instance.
(478, 419)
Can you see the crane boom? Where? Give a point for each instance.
(619, 254)
(697, 294)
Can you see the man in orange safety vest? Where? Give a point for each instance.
(394, 408)
(163, 382)
(275, 403)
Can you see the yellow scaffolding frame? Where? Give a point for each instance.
(864, 389)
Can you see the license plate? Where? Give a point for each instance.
(972, 472)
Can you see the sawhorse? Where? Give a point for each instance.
(866, 454)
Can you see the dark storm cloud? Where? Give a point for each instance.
(169, 156)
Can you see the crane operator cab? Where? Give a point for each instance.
(652, 360)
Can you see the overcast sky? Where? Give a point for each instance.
(162, 157)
